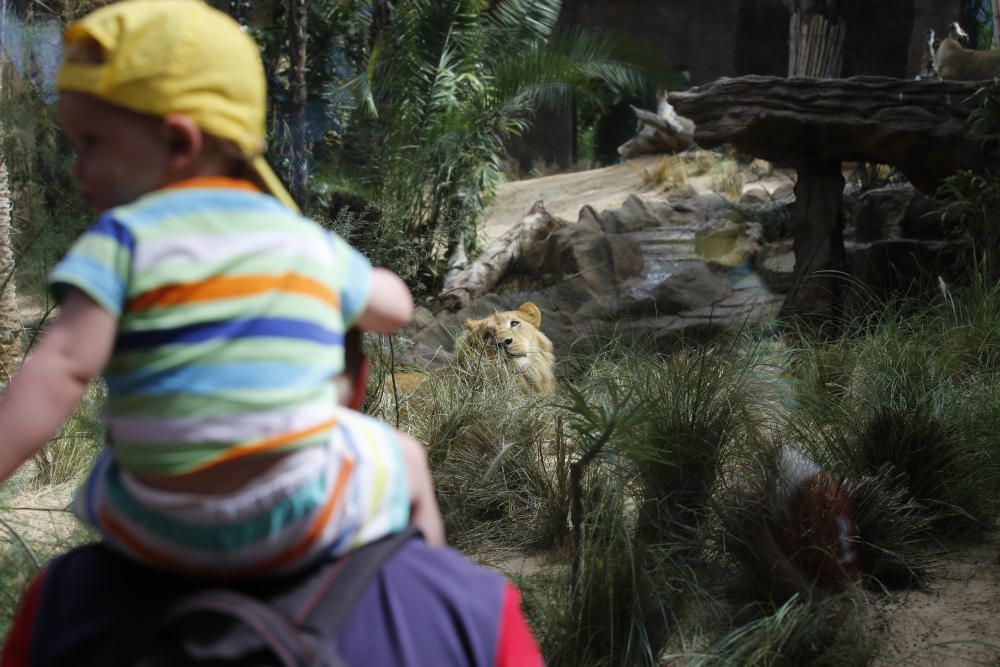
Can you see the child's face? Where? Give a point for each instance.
(121, 154)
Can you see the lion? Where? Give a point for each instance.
(513, 336)
(953, 61)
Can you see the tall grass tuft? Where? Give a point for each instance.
(925, 452)
(892, 529)
(493, 450)
(700, 406)
(779, 549)
(893, 394)
(653, 434)
(71, 453)
(615, 608)
(796, 633)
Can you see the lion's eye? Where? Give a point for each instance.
(514, 323)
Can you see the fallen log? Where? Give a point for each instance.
(499, 258)
(663, 132)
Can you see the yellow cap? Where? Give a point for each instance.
(174, 56)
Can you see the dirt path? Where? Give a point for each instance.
(565, 194)
(605, 188)
(954, 623)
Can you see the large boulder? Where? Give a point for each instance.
(895, 212)
(650, 271)
(657, 271)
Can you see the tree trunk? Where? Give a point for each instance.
(10, 319)
(819, 244)
(995, 4)
(482, 275)
(297, 24)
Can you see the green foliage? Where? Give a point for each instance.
(47, 217)
(981, 13)
(793, 634)
(378, 230)
(700, 406)
(78, 442)
(610, 612)
(897, 393)
(891, 525)
(488, 445)
(973, 198)
(776, 220)
(444, 86)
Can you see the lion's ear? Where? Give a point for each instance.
(530, 313)
(470, 325)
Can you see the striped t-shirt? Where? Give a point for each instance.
(231, 318)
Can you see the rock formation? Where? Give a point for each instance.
(815, 125)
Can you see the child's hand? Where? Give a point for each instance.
(390, 306)
(424, 512)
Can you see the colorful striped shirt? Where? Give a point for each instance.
(231, 318)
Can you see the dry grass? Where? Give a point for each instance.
(676, 511)
(727, 180)
(670, 172)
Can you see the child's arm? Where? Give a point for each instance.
(53, 378)
(390, 305)
(424, 511)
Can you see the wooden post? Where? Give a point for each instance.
(820, 259)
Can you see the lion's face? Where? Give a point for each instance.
(514, 336)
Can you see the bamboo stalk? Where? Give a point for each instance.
(830, 50)
(823, 28)
(815, 38)
(793, 39)
(800, 61)
(803, 51)
(838, 54)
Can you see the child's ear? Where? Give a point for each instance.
(184, 138)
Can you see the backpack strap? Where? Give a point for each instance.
(293, 618)
(333, 599)
(280, 637)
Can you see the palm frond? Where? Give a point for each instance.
(522, 22)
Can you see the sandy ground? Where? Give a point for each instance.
(565, 194)
(602, 189)
(954, 623)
